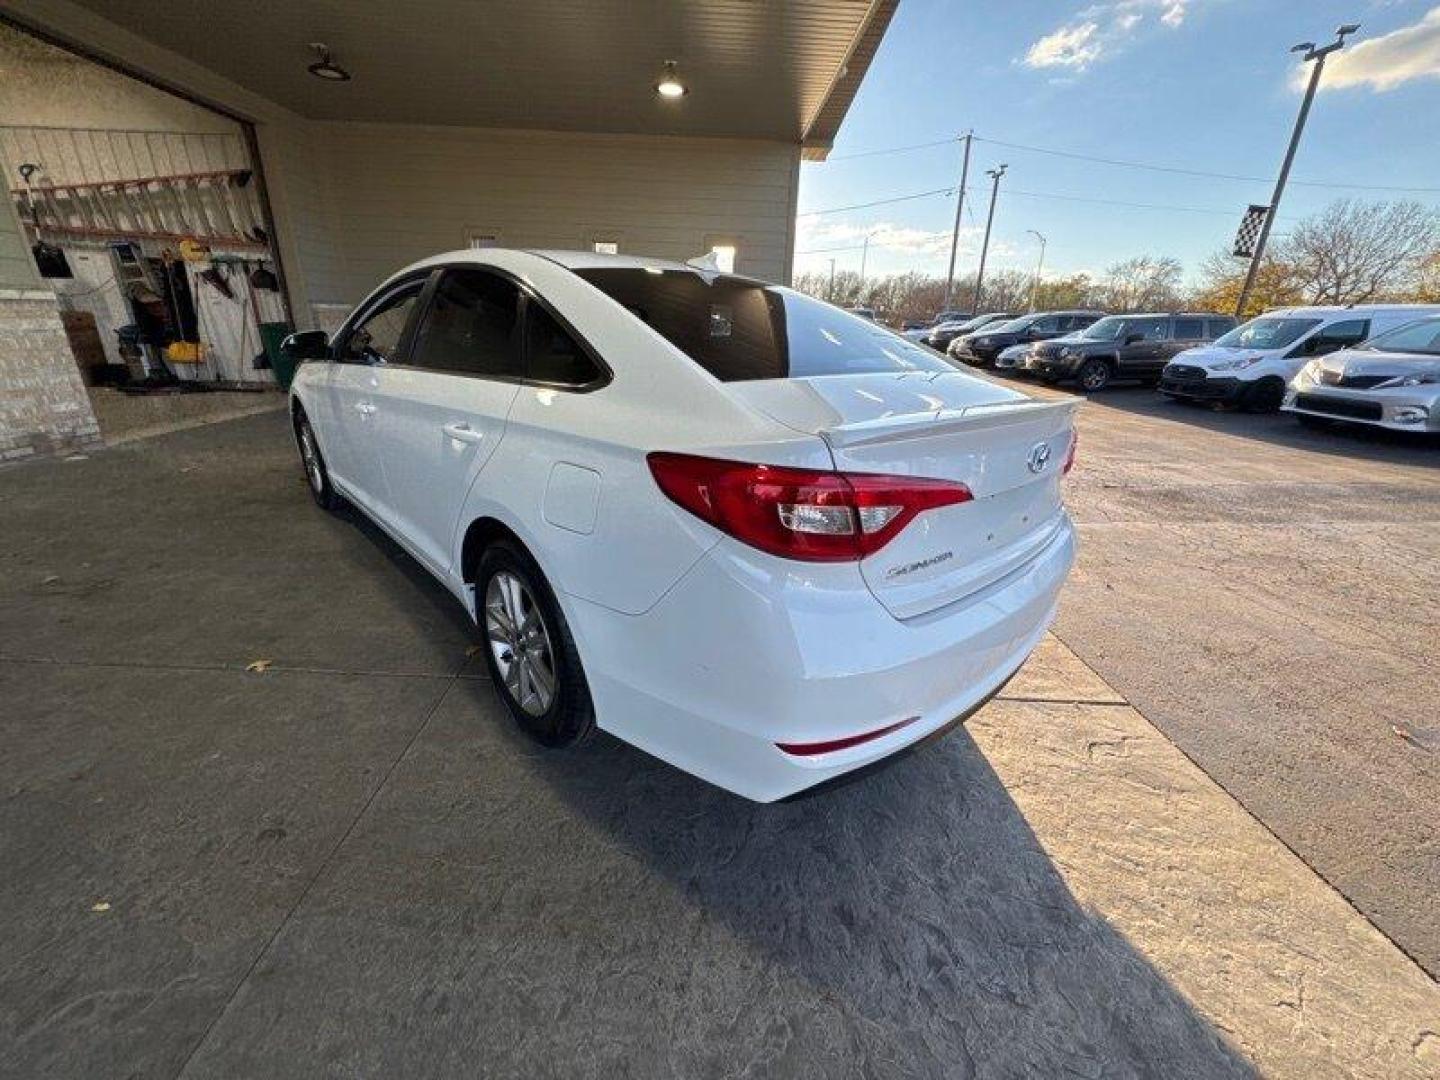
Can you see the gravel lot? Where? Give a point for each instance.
(1269, 597)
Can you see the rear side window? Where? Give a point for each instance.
(471, 327)
(1342, 334)
(738, 329)
(1189, 329)
(555, 356)
(1220, 326)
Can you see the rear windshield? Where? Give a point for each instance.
(739, 329)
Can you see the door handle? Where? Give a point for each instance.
(463, 433)
(364, 408)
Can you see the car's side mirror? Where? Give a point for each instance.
(307, 345)
(1131, 339)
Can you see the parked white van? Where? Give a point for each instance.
(1252, 364)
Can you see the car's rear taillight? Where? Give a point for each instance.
(805, 514)
(1070, 456)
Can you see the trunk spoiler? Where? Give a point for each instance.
(972, 418)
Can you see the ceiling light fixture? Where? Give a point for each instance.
(670, 85)
(324, 67)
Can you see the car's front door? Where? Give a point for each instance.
(359, 359)
(445, 409)
(1142, 349)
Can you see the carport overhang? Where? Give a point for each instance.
(776, 71)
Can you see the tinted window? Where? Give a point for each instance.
(1189, 329)
(740, 329)
(1349, 332)
(555, 356)
(472, 326)
(375, 339)
(1152, 329)
(1047, 325)
(1220, 326)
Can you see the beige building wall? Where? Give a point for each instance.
(400, 193)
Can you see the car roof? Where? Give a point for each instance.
(1323, 310)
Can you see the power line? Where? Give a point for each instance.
(1149, 166)
(879, 202)
(895, 149)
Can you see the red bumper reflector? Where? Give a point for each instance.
(808, 749)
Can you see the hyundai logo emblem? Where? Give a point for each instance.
(1039, 457)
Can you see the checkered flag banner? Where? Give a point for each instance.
(1250, 226)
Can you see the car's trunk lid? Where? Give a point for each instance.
(1007, 448)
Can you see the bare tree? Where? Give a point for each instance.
(1223, 274)
(1144, 283)
(1005, 290)
(1352, 252)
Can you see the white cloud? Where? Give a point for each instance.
(1099, 31)
(1384, 62)
(1069, 47)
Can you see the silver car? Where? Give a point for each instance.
(1391, 381)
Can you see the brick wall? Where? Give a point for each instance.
(43, 405)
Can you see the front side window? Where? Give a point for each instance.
(1418, 337)
(555, 356)
(1048, 325)
(1267, 332)
(472, 326)
(1340, 335)
(738, 329)
(375, 338)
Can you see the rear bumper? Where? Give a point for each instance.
(1221, 390)
(747, 652)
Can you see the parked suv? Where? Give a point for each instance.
(979, 348)
(1251, 365)
(1124, 347)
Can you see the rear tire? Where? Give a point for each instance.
(529, 650)
(317, 476)
(1094, 374)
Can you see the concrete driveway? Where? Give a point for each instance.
(349, 864)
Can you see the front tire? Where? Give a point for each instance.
(529, 650)
(317, 476)
(1094, 375)
(1265, 396)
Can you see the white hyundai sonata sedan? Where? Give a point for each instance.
(760, 538)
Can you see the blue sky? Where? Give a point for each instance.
(1199, 84)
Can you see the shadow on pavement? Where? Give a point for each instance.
(605, 914)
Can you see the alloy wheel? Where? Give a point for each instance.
(520, 643)
(311, 458)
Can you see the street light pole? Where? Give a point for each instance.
(995, 174)
(1039, 265)
(864, 254)
(1317, 56)
(955, 233)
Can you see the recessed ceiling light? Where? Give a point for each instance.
(670, 85)
(324, 67)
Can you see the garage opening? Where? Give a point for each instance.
(143, 212)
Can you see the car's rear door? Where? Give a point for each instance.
(444, 410)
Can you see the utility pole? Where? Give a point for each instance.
(955, 233)
(1040, 265)
(995, 174)
(1316, 56)
(864, 254)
